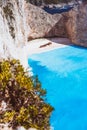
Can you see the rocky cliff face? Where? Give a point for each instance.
(43, 24)
(77, 25)
(71, 24)
(14, 30)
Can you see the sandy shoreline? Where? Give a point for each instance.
(43, 45)
(39, 46)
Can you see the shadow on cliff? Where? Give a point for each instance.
(58, 30)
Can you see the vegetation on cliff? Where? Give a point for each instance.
(40, 2)
(24, 98)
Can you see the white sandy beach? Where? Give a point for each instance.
(39, 46)
(44, 44)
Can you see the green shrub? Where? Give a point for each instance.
(24, 98)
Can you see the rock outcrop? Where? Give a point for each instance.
(43, 24)
(77, 25)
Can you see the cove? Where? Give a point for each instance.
(63, 73)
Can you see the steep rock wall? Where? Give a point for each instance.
(71, 24)
(77, 25)
(43, 24)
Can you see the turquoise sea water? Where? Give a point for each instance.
(63, 72)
